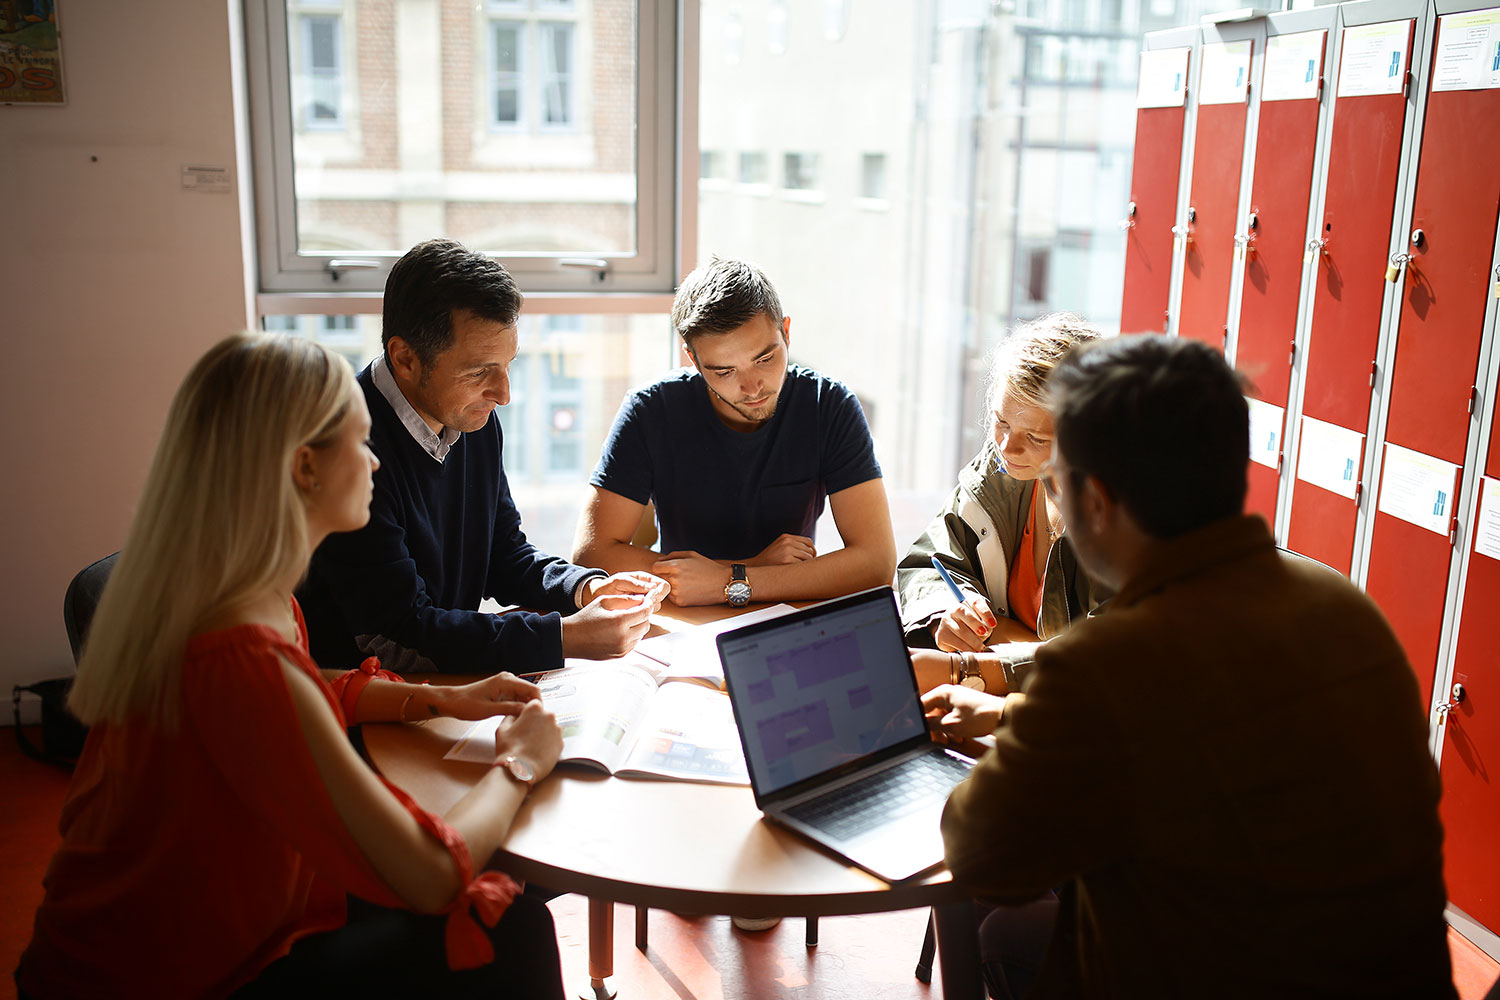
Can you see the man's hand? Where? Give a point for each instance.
(786, 549)
(500, 694)
(534, 736)
(694, 579)
(961, 713)
(966, 627)
(607, 626)
(652, 588)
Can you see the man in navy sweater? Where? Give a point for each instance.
(444, 533)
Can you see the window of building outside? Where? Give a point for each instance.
(1005, 132)
(539, 131)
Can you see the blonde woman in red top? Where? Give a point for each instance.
(221, 836)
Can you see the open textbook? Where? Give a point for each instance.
(626, 717)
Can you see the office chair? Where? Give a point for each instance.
(82, 598)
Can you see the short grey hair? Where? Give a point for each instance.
(721, 296)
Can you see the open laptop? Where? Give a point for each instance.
(834, 734)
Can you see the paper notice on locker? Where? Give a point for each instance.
(1293, 66)
(1265, 432)
(1487, 531)
(1226, 73)
(1328, 456)
(1468, 51)
(1163, 82)
(1417, 488)
(1374, 59)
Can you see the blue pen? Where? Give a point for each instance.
(942, 572)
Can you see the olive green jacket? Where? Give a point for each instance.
(975, 535)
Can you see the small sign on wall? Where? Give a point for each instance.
(30, 53)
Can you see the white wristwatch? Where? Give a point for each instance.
(518, 768)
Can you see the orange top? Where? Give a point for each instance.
(191, 860)
(1024, 589)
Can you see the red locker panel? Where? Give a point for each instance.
(1363, 163)
(1455, 205)
(1218, 160)
(1471, 749)
(1287, 138)
(1148, 246)
(1260, 497)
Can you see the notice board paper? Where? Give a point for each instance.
(1417, 488)
(1374, 59)
(1226, 73)
(1487, 531)
(1265, 432)
(1468, 51)
(1293, 66)
(1163, 82)
(1328, 456)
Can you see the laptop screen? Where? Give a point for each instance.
(821, 688)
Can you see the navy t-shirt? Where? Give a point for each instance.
(726, 494)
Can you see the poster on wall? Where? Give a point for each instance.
(30, 53)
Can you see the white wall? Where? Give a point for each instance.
(113, 279)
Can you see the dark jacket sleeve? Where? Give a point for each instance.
(520, 573)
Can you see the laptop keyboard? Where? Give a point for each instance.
(881, 797)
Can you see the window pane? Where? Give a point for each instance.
(753, 168)
(510, 127)
(801, 171)
(872, 175)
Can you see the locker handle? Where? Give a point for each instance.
(1456, 698)
(1473, 398)
(1129, 221)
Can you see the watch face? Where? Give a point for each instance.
(738, 593)
(973, 681)
(520, 769)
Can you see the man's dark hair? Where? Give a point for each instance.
(430, 281)
(1160, 421)
(721, 296)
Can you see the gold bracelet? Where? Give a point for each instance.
(953, 664)
(401, 715)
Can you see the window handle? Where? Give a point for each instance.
(598, 265)
(338, 266)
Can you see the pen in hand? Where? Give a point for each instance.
(958, 595)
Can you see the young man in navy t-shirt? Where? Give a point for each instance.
(738, 453)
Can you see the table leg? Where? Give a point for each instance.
(601, 950)
(640, 926)
(958, 950)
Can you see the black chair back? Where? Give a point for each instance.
(82, 598)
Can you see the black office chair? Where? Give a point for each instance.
(82, 598)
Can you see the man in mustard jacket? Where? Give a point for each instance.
(1225, 776)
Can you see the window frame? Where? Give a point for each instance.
(290, 281)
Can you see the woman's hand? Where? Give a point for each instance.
(502, 694)
(966, 627)
(534, 736)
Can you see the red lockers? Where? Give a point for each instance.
(1364, 157)
(1153, 191)
(1286, 142)
(1454, 209)
(1471, 737)
(1213, 204)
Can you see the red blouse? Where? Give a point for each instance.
(192, 860)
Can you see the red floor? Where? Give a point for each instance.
(689, 958)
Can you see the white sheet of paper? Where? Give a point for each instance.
(1265, 432)
(1374, 59)
(692, 652)
(1329, 456)
(1163, 82)
(1292, 64)
(1468, 51)
(1226, 73)
(1417, 488)
(1487, 531)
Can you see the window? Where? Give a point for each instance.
(710, 165)
(533, 66)
(872, 176)
(800, 171)
(753, 169)
(542, 132)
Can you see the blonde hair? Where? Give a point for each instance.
(220, 519)
(1024, 360)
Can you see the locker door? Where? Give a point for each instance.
(1159, 120)
(1364, 158)
(1213, 204)
(1454, 209)
(1471, 735)
(1286, 142)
